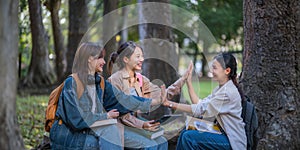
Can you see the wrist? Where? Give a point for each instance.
(108, 116)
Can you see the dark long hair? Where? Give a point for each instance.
(80, 64)
(125, 50)
(227, 60)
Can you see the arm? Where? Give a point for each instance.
(193, 96)
(175, 88)
(131, 121)
(116, 99)
(177, 106)
(71, 112)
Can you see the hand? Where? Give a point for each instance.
(151, 125)
(163, 96)
(112, 114)
(188, 72)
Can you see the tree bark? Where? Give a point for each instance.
(271, 71)
(78, 25)
(9, 129)
(161, 60)
(109, 27)
(40, 73)
(60, 52)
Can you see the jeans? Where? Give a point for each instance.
(110, 137)
(196, 140)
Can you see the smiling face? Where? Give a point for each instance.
(101, 62)
(219, 73)
(135, 61)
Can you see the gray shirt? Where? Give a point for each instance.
(224, 104)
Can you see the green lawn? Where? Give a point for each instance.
(31, 112)
(202, 88)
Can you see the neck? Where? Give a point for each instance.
(91, 72)
(130, 72)
(221, 83)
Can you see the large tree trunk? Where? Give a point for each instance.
(40, 73)
(78, 25)
(60, 52)
(9, 130)
(161, 60)
(271, 69)
(109, 27)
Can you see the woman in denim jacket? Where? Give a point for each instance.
(78, 115)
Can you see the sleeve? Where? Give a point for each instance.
(75, 116)
(131, 121)
(212, 105)
(150, 90)
(116, 99)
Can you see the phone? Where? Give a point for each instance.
(166, 117)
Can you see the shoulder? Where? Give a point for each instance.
(232, 91)
(116, 75)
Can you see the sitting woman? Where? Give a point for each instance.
(224, 104)
(75, 115)
(129, 58)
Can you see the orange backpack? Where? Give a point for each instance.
(53, 100)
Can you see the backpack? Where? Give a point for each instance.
(54, 97)
(251, 123)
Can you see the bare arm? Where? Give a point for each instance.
(193, 96)
(178, 106)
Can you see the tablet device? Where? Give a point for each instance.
(166, 117)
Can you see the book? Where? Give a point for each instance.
(202, 125)
(103, 122)
(148, 134)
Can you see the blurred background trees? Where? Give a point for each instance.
(264, 36)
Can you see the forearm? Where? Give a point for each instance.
(178, 106)
(193, 96)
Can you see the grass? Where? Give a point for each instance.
(31, 115)
(31, 112)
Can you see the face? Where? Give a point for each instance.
(219, 74)
(101, 63)
(136, 60)
(93, 63)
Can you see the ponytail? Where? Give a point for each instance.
(111, 61)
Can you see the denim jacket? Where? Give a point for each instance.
(76, 115)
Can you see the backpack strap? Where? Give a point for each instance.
(79, 85)
(102, 86)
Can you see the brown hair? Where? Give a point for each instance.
(80, 64)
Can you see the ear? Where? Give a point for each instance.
(125, 59)
(90, 59)
(227, 71)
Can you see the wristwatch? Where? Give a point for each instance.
(170, 105)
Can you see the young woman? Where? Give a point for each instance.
(77, 114)
(224, 104)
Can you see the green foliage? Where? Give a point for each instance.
(31, 116)
(203, 88)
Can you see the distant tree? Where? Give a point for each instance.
(60, 52)
(40, 72)
(165, 62)
(78, 25)
(9, 130)
(109, 27)
(270, 75)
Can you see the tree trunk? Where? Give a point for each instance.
(40, 73)
(109, 27)
(271, 71)
(78, 25)
(9, 129)
(60, 52)
(161, 59)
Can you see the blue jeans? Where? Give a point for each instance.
(194, 140)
